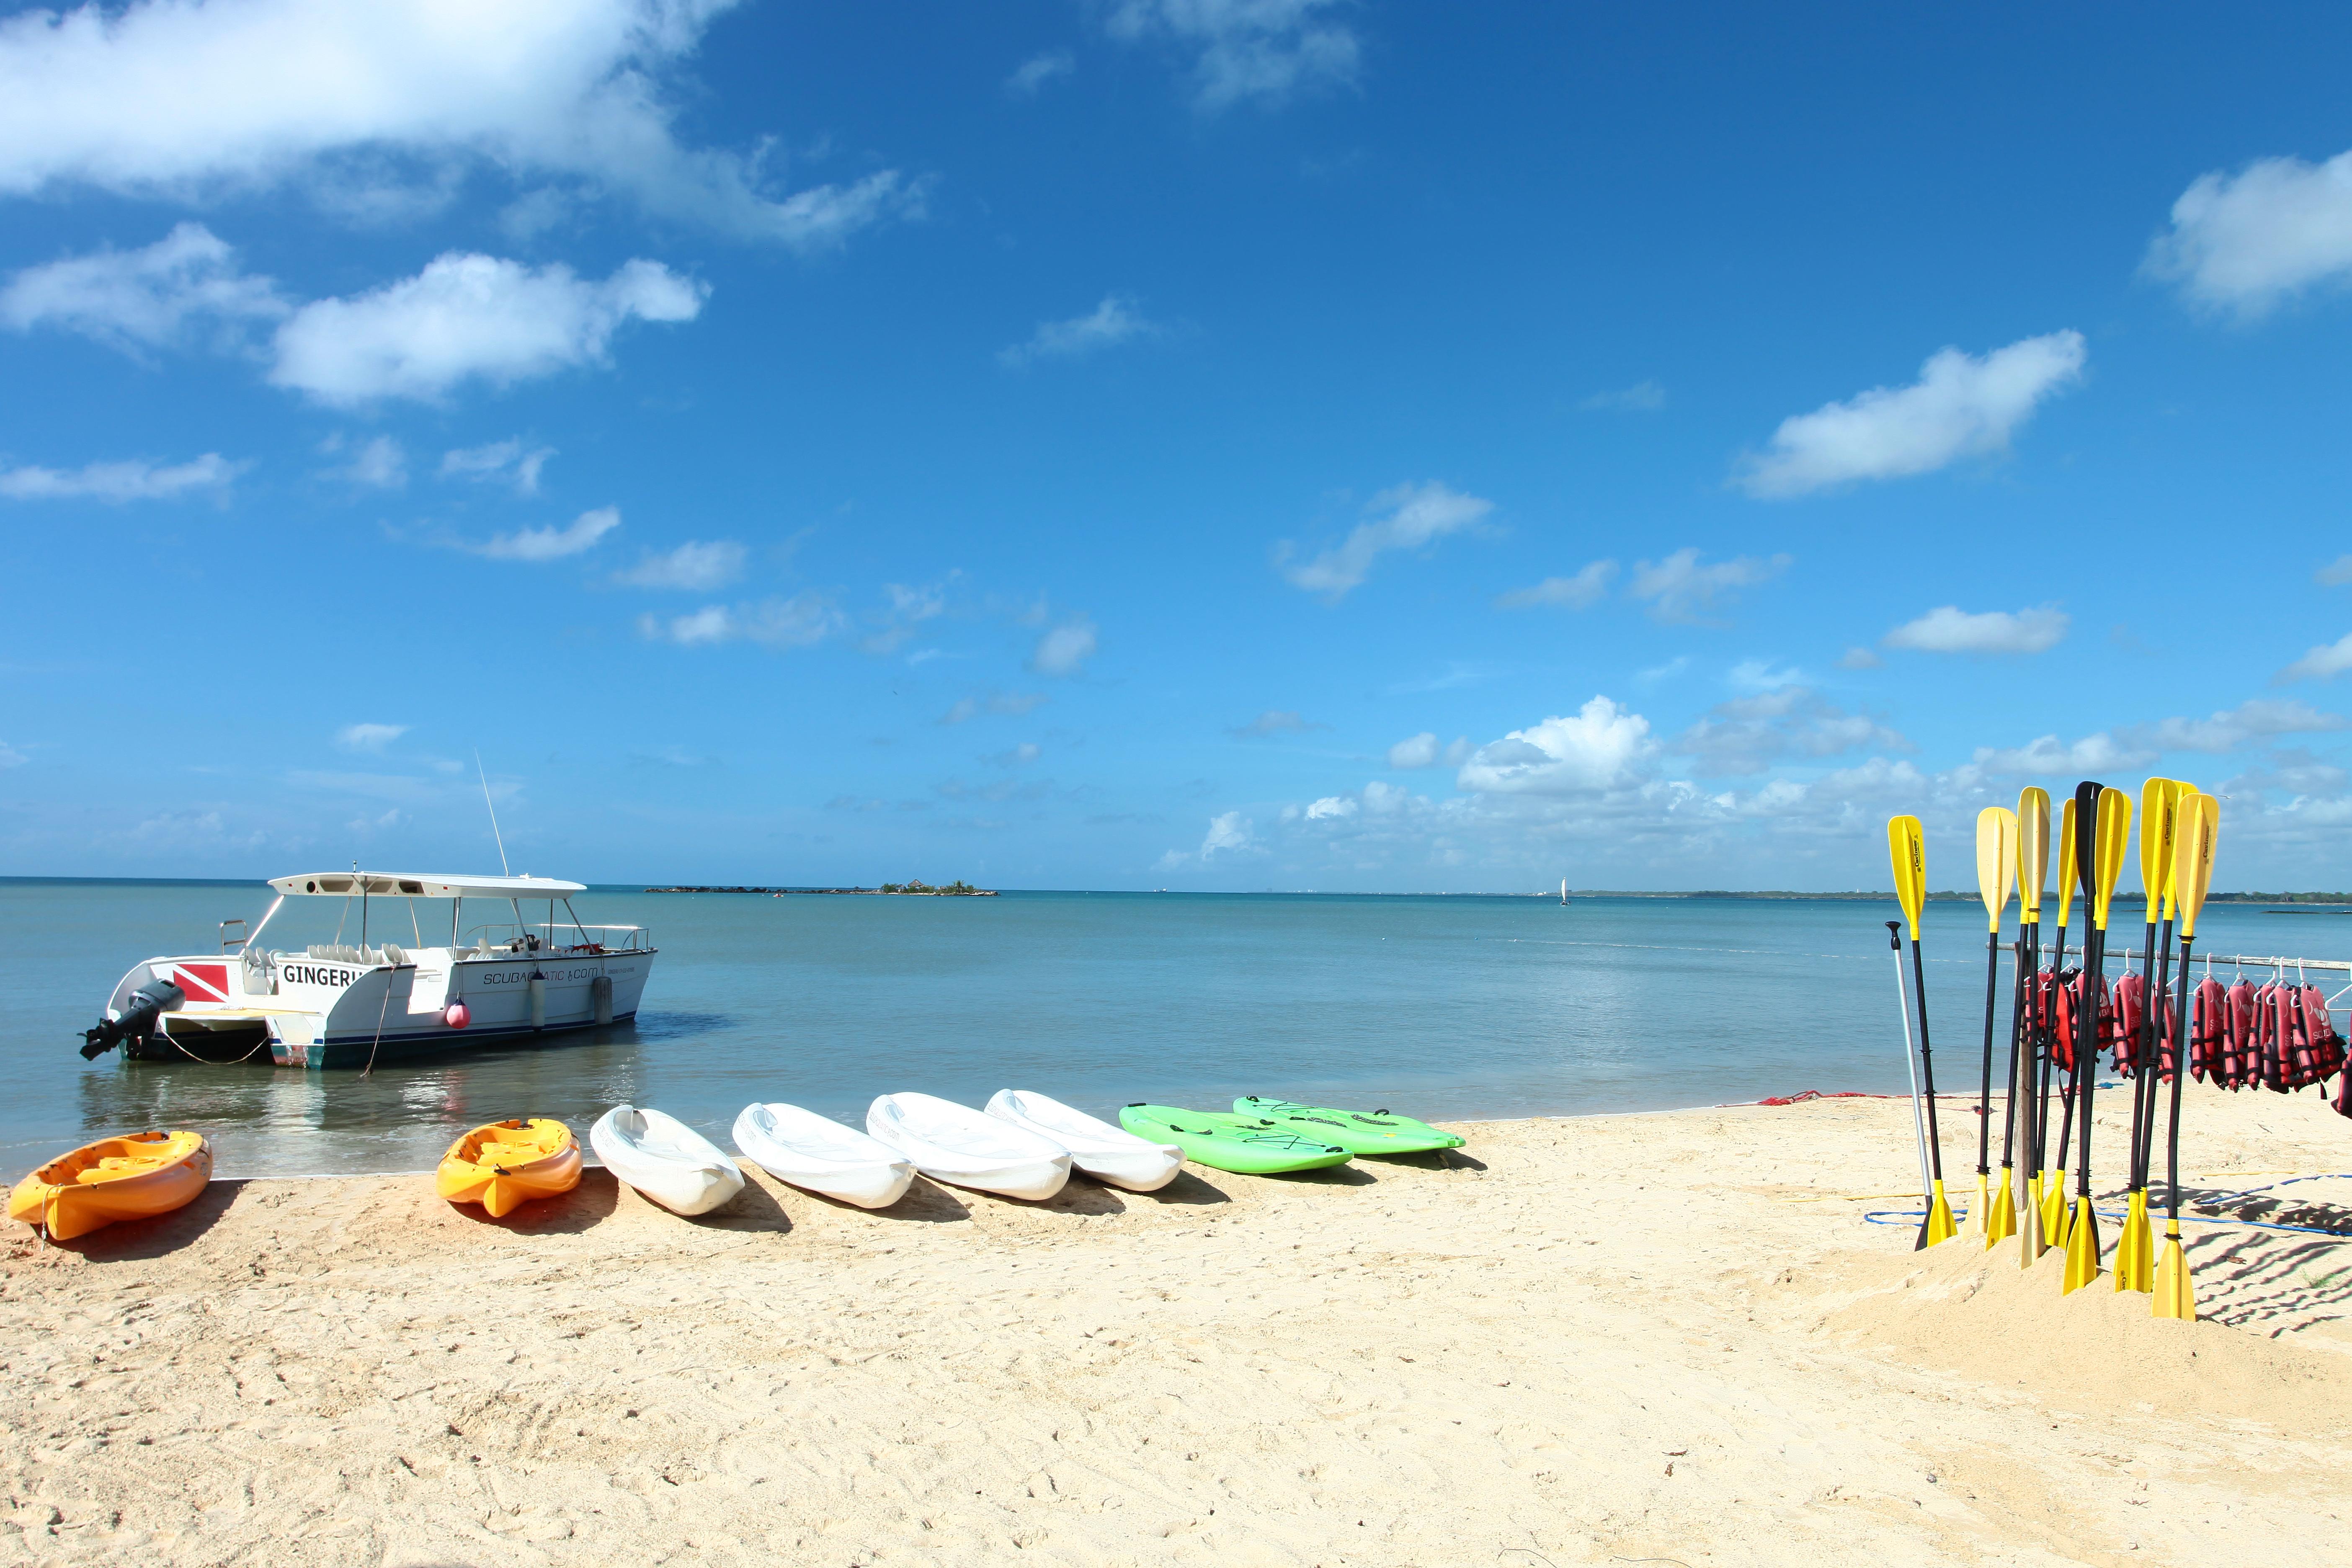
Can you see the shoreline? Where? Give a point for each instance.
(1589, 1337)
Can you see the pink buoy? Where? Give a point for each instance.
(455, 1015)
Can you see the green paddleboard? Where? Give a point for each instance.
(1358, 1131)
(1241, 1143)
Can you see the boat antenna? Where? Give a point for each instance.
(496, 836)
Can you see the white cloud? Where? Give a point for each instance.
(1035, 71)
(694, 566)
(1859, 659)
(550, 542)
(1066, 650)
(1416, 515)
(2336, 573)
(2258, 720)
(10, 757)
(1014, 703)
(465, 316)
(2322, 663)
(149, 297)
(909, 608)
(1950, 629)
(1262, 50)
(797, 622)
(1422, 751)
(1576, 592)
(1682, 588)
(2249, 241)
(1229, 833)
(377, 463)
(1114, 321)
(1642, 397)
(372, 738)
(1019, 756)
(469, 316)
(380, 107)
(2093, 754)
(1331, 808)
(1602, 747)
(1749, 734)
(135, 480)
(507, 461)
(1960, 406)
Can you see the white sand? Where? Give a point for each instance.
(1615, 1338)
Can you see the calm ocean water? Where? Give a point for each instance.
(1442, 1007)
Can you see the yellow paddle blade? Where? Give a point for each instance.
(2193, 840)
(2134, 1265)
(2082, 1248)
(2181, 790)
(2032, 851)
(2174, 1297)
(2000, 1215)
(1941, 1226)
(1996, 860)
(1907, 846)
(2053, 1208)
(2157, 798)
(2065, 860)
(2032, 1242)
(2114, 838)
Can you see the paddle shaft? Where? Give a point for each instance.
(2086, 1064)
(1910, 1063)
(2049, 1059)
(2159, 993)
(2015, 1115)
(2142, 1046)
(2180, 1071)
(1927, 1062)
(1984, 1095)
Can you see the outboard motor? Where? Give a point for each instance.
(148, 1002)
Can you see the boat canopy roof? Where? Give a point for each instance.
(419, 885)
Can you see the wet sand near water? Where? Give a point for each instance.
(1641, 1337)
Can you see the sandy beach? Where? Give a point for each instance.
(1642, 1338)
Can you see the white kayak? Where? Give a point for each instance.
(664, 1159)
(966, 1148)
(1106, 1153)
(821, 1154)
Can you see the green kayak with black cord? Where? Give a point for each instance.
(1246, 1145)
(1358, 1131)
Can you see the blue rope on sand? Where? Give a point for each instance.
(1906, 1217)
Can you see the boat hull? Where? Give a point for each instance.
(329, 1015)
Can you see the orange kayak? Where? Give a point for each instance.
(115, 1178)
(503, 1164)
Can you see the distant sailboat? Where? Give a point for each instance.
(1563, 890)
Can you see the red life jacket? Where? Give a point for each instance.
(2327, 1052)
(2119, 1024)
(2243, 1051)
(2206, 1010)
(2167, 1046)
(2295, 1040)
(2062, 998)
(2270, 1019)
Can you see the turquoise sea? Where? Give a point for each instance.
(1440, 1006)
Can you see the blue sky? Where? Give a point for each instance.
(1166, 443)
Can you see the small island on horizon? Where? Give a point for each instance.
(918, 888)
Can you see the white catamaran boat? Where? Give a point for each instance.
(336, 1004)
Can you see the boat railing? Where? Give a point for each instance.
(563, 937)
(229, 943)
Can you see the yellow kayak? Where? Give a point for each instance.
(504, 1164)
(115, 1178)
